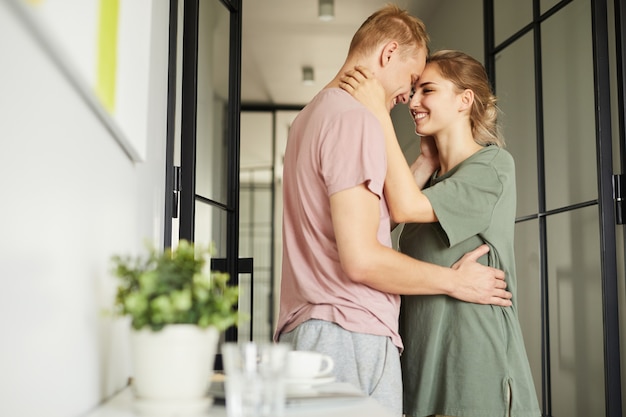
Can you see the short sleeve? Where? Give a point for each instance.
(464, 201)
(353, 152)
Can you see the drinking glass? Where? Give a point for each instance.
(255, 378)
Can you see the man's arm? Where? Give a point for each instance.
(355, 215)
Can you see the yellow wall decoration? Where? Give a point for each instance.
(103, 47)
(107, 53)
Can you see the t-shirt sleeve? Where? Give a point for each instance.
(353, 152)
(465, 201)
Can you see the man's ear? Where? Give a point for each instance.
(389, 49)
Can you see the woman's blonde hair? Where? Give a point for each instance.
(466, 73)
(387, 24)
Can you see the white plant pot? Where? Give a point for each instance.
(173, 364)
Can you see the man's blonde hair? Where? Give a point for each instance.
(387, 24)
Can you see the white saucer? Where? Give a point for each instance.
(310, 382)
(169, 408)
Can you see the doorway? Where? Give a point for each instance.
(202, 173)
(263, 140)
(556, 68)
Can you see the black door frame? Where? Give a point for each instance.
(183, 188)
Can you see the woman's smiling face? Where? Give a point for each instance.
(435, 102)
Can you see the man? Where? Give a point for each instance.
(341, 279)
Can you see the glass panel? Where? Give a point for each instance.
(245, 308)
(515, 87)
(283, 123)
(547, 5)
(284, 119)
(255, 227)
(575, 296)
(529, 293)
(210, 228)
(510, 16)
(255, 217)
(570, 150)
(211, 124)
(256, 142)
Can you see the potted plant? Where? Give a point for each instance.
(178, 308)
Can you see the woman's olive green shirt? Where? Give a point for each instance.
(461, 359)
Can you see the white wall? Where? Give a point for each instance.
(71, 198)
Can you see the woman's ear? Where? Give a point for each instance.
(467, 99)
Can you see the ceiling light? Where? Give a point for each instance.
(307, 76)
(326, 10)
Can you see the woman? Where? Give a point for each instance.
(460, 359)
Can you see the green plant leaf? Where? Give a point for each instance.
(170, 287)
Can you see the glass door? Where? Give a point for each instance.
(204, 170)
(549, 64)
(263, 140)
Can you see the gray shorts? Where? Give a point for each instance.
(369, 362)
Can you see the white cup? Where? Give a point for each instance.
(304, 364)
(255, 378)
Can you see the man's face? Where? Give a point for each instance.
(399, 76)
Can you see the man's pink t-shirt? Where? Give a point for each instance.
(334, 144)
